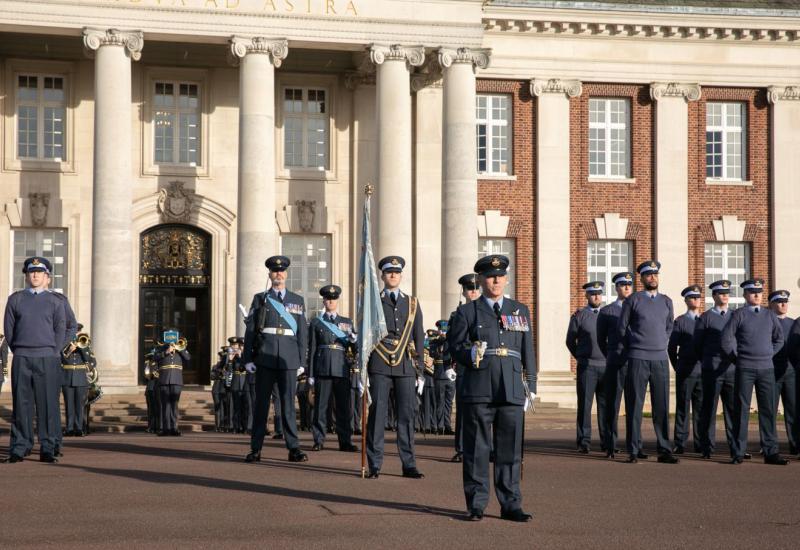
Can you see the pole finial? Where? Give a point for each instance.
(369, 189)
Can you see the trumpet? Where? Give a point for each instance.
(181, 344)
(81, 341)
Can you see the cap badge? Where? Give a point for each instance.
(726, 284)
(596, 285)
(395, 262)
(35, 261)
(495, 262)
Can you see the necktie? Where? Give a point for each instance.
(279, 296)
(722, 313)
(756, 309)
(496, 308)
(329, 317)
(393, 296)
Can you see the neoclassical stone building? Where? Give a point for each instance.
(160, 150)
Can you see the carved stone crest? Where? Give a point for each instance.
(39, 203)
(306, 211)
(175, 202)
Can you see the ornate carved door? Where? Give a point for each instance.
(174, 270)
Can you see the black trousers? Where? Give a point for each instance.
(35, 381)
(427, 409)
(642, 372)
(786, 389)
(763, 380)
(717, 385)
(405, 397)
(688, 394)
(74, 406)
(250, 395)
(482, 422)
(339, 389)
(216, 395)
(355, 402)
(459, 437)
(445, 390)
(169, 395)
(613, 386)
(589, 386)
(152, 407)
(285, 381)
(239, 418)
(276, 406)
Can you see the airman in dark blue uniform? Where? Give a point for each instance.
(170, 363)
(686, 363)
(582, 345)
(276, 349)
(470, 290)
(785, 372)
(444, 376)
(493, 336)
(76, 364)
(238, 388)
(329, 370)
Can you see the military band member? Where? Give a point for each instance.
(426, 416)
(644, 327)
(36, 330)
(171, 363)
(470, 290)
(752, 336)
(616, 360)
(275, 349)
(3, 360)
(582, 344)
(493, 335)
(76, 363)
(329, 370)
(717, 374)
(218, 391)
(444, 376)
(687, 366)
(785, 375)
(391, 366)
(238, 388)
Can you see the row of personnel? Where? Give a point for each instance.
(721, 353)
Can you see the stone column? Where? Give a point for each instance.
(394, 211)
(460, 171)
(785, 170)
(113, 326)
(553, 251)
(257, 236)
(672, 183)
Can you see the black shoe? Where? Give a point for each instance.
(475, 515)
(373, 474)
(667, 458)
(13, 459)
(706, 455)
(792, 450)
(776, 460)
(176, 433)
(449, 431)
(45, 457)
(610, 454)
(277, 436)
(457, 458)
(348, 448)
(583, 450)
(27, 453)
(253, 456)
(631, 460)
(413, 473)
(678, 450)
(642, 455)
(516, 515)
(747, 456)
(296, 455)
(57, 452)
(317, 447)
(736, 460)
(163, 433)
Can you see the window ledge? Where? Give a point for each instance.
(497, 177)
(179, 170)
(603, 179)
(40, 165)
(735, 183)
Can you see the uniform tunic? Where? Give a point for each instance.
(75, 386)
(688, 385)
(616, 367)
(170, 385)
(445, 388)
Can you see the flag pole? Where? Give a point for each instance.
(364, 435)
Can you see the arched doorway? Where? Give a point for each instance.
(174, 282)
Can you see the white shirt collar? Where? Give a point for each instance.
(719, 310)
(39, 290)
(754, 309)
(491, 302)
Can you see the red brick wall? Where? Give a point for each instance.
(590, 200)
(516, 199)
(710, 202)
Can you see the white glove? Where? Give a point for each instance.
(353, 337)
(420, 385)
(310, 381)
(300, 371)
(475, 347)
(250, 367)
(527, 404)
(361, 387)
(451, 374)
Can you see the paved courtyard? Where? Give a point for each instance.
(136, 490)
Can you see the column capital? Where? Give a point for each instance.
(540, 86)
(783, 93)
(477, 57)
(689, 92)
(414, 56)
(132, 41)
(276, 48)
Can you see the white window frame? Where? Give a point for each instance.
(27, 67)
(486, 246)
(608, 127)
(727, 131)
(176, 76)
(177, 111)
(310, 295)
(60, 268)
(735, 275)
(329, 83)
(608, 270)
(491, 123)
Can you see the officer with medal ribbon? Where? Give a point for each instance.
(329, 370)
(492, 335)
(582, 345)
(751, 338)
(36, 330)
(470, 290)
(275, 349)
(170, 361)
(785, 376)
(395, 364)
